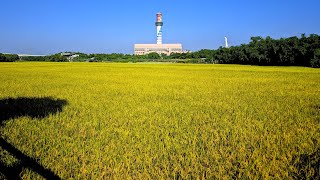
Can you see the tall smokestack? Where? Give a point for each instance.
(159, 25)
(226, 41)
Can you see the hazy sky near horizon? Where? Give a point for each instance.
(100, 26)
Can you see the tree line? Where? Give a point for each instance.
(114, 57)
(8, 57)
(292, 51)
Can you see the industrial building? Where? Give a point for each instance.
(142, 49)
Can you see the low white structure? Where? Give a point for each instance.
(142, 49)
(69, 56)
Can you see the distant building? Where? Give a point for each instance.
(69, 56)
(142, 49)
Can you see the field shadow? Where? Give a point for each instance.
(11, 108)
(13, 172)
(308, 163)
(36, 108)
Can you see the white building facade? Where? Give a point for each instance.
(143, 49)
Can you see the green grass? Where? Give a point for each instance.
(154, 121)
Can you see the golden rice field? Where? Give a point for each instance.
(158, 121)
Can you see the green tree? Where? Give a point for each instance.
(9, 57)
(315, 62)
(2, 58)
(153, 55)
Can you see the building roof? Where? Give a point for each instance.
(158, 45)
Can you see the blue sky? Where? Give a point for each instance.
(101, 26)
